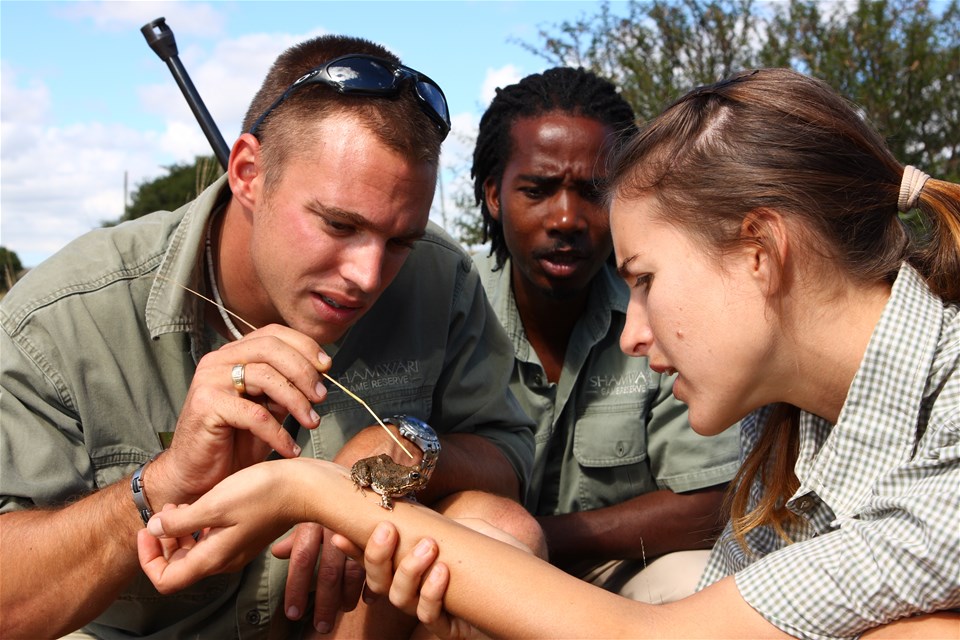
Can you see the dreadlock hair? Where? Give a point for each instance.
(573, 91)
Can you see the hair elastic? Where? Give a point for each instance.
(910, 187)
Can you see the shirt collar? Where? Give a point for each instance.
(877, 427)
(170, 307)
(608, 294)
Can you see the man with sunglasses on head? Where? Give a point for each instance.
(123, 392)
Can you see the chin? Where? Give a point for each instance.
(322, 333)
(707, 426)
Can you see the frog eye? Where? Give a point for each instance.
(415, 475)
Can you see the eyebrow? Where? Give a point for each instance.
(622, 267)
(542, 180)
(355, 219)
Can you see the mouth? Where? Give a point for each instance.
(337, 305)
(337, 310)
(560, 263)
(663, 369)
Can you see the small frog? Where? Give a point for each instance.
(387, 478)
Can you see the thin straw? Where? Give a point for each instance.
(342, 388)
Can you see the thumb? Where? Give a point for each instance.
(174, 522)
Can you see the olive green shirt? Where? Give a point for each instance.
(609, 429)
(99, 346)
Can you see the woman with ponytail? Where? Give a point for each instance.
(758, 224)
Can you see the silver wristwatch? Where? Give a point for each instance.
(421, 434)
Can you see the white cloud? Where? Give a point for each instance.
(495, 78)
(226, 79)
(60, 182)
(455, 161)
(64, 181)
(196, 19)
(29, 104)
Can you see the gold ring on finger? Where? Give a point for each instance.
(237, 376)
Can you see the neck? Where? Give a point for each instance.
(832, 340)
(227, 265)
(548, 322)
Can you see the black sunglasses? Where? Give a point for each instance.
(360, 74)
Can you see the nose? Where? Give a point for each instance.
(637, 336)
(567, 215)
(362, 265)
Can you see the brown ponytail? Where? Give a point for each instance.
(777, 139)
(937, 257)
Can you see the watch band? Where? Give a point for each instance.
(139, 497)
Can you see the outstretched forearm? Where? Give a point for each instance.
(63, 567)
(490, 581)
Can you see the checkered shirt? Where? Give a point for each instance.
(878, 534)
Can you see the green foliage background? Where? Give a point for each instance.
(897, 59)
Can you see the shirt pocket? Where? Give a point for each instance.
(610, 447)
(343, 417)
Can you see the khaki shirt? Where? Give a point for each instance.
(610, 429)
(98, 354)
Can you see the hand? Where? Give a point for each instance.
(339, 578)
(418, 585)
(220, 430)
(237, 519)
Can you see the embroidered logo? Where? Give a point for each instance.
(384, 374)
(631, 382)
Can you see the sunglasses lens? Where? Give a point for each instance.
(431, 94)
(362, 74)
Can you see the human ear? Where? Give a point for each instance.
(491, 193)
(244, 169)
(763, 234)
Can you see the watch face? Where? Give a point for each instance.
(417, 431)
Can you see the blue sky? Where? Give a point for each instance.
(85, 100)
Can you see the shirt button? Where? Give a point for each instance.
(253, 616)
(804, 504)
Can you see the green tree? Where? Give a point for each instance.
(898, 59)
(659, 48)
(468, 225)
(10, 263)
(182, 184)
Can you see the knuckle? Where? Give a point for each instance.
(328, 578)
(258, 414)
(354, 572)
(303, 558)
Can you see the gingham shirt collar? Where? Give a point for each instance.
(876, 428)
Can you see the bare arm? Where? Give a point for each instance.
(96, 532)
(487, 583)
(489, 580)
(649, 525)
(63, 567)
(466, 461)
(471, 462)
